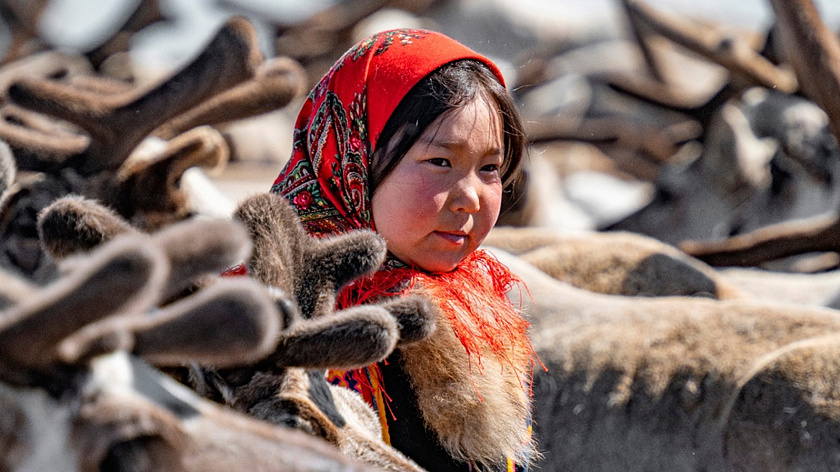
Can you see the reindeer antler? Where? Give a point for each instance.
(124, 277)
(813, 51)
(116, 124)
(277, 82)
(726, 50)
(312, 271)
(104, 303)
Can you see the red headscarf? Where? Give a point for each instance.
(326, 181)
(340, 122)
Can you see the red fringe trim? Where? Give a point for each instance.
(473, 297)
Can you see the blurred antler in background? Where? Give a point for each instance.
(730, 51)
(813, 51)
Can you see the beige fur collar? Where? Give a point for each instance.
(479, 416)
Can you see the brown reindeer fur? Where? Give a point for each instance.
(476, 411)
(677, 383)
(614, 263)
(351, 425)
(755, 426)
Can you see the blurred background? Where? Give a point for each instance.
(678, 119)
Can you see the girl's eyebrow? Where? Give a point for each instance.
(453, 144)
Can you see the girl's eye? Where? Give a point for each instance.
(438, 161)
(490, 168)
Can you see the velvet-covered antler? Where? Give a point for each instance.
(147, 192)
(79, 404)
(274, 387)
(313, 270)
(276, 82)
(104, 302)
(117, 124)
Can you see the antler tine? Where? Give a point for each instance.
(233, 322)
(346, 339)
(117, 124)
(201, 247)
(813, 50)
(728, 51)
(73, 223)
(38, 143)
(162, 172)
(146, 12)
(277, 82)
(768, 243)
(44, 65)
(123, 277)
(267, 217)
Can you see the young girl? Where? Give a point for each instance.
(413, 135)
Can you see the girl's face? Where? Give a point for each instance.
(444, 196)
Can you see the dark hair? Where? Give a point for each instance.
(448, 87)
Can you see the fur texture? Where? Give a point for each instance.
(115, 411)
(477, 411)
(312, 271)
(73, 223)
(679, 384)
(289, 386)
(614, 263)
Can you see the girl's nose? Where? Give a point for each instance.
(465, 195)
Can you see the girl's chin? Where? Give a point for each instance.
(433, 259)
(438, 265)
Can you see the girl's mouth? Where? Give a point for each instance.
(455, 238)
